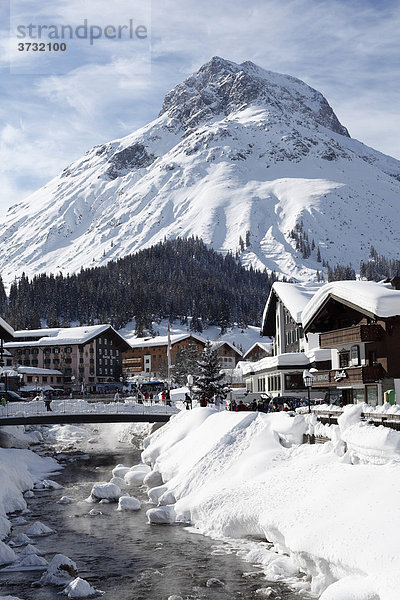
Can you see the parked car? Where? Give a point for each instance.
(12, 397)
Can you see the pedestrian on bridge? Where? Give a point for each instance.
(47, 402)
(116, 396)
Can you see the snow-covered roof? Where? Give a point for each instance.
(318, 354)
(266, 346)
(294, 296)
(7, 328)
(375, 299)
(37, 371)
(219, 343)
(162, 340)
(58, 336)
(289, 359)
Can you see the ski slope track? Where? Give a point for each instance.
(235, 149)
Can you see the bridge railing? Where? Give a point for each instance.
(74, 407)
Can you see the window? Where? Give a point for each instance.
(81, 360)
(44, 379)
(261, 384)
(56, 350)
(35, 351)
(68, 371)
(29, 378)
(34, 362)
(47, 361)
(27, 362)
(68, 350)
(46, 350)
(294, 381)
(355, 355)
(56, 361)
(344, 358)
(68, 361)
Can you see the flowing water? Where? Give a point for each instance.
(125, 557)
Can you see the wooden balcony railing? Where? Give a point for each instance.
(348, 376)
(351, 335)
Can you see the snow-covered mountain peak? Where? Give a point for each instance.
(250, 161)
(221, 87)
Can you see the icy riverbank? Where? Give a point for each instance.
(323, 508)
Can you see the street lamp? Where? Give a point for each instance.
(308, 379)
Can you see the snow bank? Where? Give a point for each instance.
(245, 474)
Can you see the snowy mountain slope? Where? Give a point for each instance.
(235, 149)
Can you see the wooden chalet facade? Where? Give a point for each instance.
(360, 322)
(148, 357)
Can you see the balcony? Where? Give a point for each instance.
(351, 335)
(348, 376)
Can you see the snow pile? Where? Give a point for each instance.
(79, 588)
(244, 474)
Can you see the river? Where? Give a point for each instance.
(121, 554)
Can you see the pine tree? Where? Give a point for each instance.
(209, 382)
(186, 363)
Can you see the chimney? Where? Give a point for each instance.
(395, 281)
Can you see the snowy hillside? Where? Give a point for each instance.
(235, 149)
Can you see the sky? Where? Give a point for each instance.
(56, 105)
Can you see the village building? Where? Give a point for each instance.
(359, 321)
(258, 351)
(35, 379)
(228, 354)
(88, 357)
(292, 352)
(148, 357)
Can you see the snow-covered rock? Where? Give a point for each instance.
(20, 540)
(39, 529)
(120, 471)
(61, 570)
(235, 148)
(7, 554)
(33, 560)
(64, 500)
(49, 484)
(126, 503)
(79, 588)
(108, 491)
(30, 549)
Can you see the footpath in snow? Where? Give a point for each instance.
(331, 511)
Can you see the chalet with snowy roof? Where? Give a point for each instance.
(292, 352)
(148, 356)
(228, 354)
(360, 322)
(89, 356)
(258, 351)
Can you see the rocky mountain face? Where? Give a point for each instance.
(251, 161)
